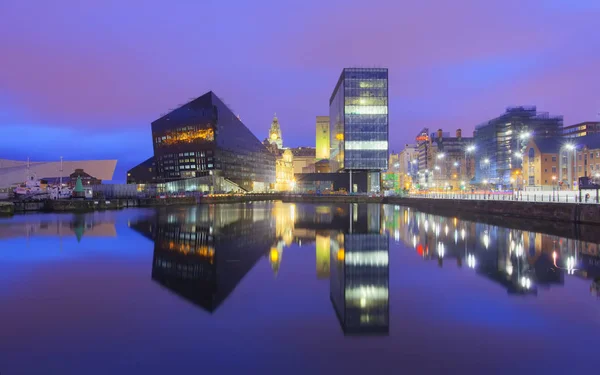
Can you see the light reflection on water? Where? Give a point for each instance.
(319, 273)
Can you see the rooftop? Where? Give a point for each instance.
(304, 151)
(549, 145)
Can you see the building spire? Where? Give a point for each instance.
(275, 133)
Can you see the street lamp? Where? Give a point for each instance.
(441, 156)
(519, 155)
(525, 135)
(553, 188)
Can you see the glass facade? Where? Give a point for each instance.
(358, 115)
(500, 141)
(203, 137)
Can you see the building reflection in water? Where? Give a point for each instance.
(359, 277)
(202, 253)
(520, 261)
(64, 226)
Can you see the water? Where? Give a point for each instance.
(284, 288)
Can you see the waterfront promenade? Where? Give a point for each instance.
(566, 208)
(564, 196)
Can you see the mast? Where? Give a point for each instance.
(61, 171)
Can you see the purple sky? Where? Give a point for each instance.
(85, 81)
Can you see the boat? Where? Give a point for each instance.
(60, 192)
(31, 187)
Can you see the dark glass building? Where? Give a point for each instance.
(358, 115)
(500, 141)
(204, 137)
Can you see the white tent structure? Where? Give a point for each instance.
(13, 172)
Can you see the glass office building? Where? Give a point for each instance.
(358, 115)
(204, 137)
(500, 142)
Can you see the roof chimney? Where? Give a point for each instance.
(439, 134)
(458, 133)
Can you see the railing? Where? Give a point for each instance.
(538, 196)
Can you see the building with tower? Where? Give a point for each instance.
(275, 133)
(358, 116)
(322, 141)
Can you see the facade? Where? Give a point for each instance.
(501, 140)
(284, 171)
(13, 172)
(540, 165)
(143, 173)
(86, 178)
(582, 129)
(275, 133)
(303, 157)
(587, 160)
(322, 140)
(453, 165)
(358, 116)
(204, 138)
(423, 151)
(407, 165)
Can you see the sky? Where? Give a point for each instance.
(84, 79)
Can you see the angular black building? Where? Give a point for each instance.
(203, 138)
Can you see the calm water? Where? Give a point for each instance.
(282, 288)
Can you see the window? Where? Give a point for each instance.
(553, 169)
(591, 155)
(545, 159)
(579, 169)
(545, 170)
(545, 181)
(554, 158)
(531, 153)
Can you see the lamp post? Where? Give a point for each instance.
(553, 187)
(486, 163)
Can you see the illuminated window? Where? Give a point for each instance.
(366, 145)
(366, 110)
